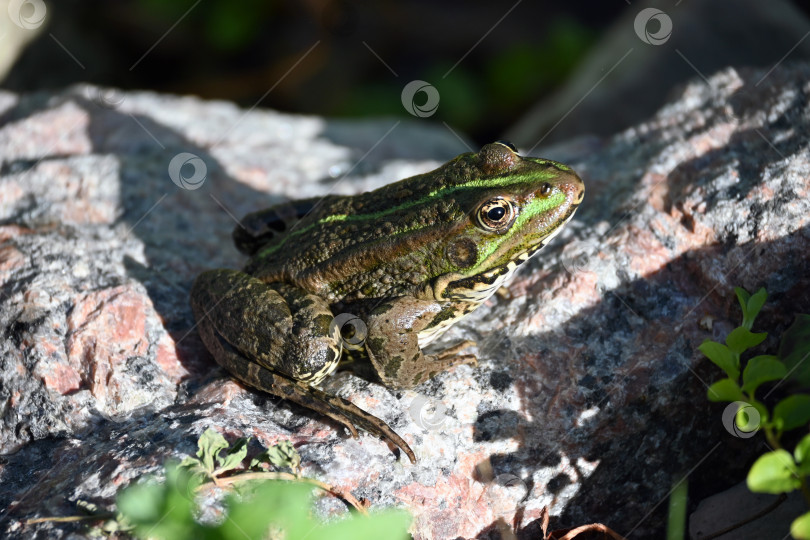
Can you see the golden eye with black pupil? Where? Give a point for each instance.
(545, 189)
(496, 214)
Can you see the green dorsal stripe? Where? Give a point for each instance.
(501, 181)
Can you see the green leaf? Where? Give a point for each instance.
(678, 506)
(742, 296)
(211, 442)
(762, 369)
(751, 305)
(764, 415)
(801, 453)
(142, 502)
(725, 390)
(284, 505)
(163, 511)
(192, 464)
(794, 350)
(722, 358)
(802, 449)
(750, 416)
(741, 339)
(774, 472)
(792, 412)
(755, 303)
(233, 455)
(800, 528)
(394, 524)
(281, 455)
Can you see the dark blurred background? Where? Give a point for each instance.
(501, 68)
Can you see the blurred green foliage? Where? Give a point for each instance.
(347, 58)
(506, 83)
(227, 26)
(488, 90)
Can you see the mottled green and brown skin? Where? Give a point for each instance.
(408, 260)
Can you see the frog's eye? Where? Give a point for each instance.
(545, 189)
(496, 214)
(507, 144)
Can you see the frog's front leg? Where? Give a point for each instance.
(393, 341)
(277, 339)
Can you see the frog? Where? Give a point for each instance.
(377, 277)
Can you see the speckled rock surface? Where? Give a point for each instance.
(589, 396)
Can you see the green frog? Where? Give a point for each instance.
(378, 276)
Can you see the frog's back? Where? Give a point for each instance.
(270, 226)
(263, 230)
(395, 240)
(337, 246)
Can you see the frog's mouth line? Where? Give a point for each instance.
(526, 255)
(479, 287)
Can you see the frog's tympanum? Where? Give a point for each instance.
(406, 261)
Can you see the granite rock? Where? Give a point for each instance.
(590, 394)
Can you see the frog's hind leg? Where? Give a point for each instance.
(278, 341)
(335, 407)
(280, 327)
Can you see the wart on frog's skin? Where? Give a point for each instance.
(409, 259)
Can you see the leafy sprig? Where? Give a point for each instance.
(777, 471)
(215, 457)
(269, 509)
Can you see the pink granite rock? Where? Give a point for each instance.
(590, 394)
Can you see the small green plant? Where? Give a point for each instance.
(777, 471)
(275, 505)
(215, 457)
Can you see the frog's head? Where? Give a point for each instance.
(513, 206)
